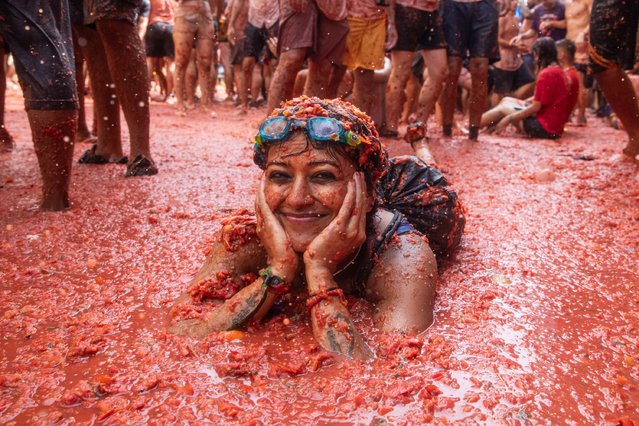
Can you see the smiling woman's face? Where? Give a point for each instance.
(305, 188)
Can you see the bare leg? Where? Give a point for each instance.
(478, 94)
(246, 77)
(6, 140)
(449, 94)
(400, 71)
(337, 75)
(159, 73)
(190, 82)
(53, 134)
(203, 52)
(505, 107)
(619, 92)
(437, 65)
(106, 107)
(317, 80)
(284, 78)
(170, 70)
(127, 66)
(363, 93)
(183, 41)
(83, 134)
(582, 100)
(257, 80)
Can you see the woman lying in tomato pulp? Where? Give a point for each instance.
(318, 231)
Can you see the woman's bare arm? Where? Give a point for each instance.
(402, 285)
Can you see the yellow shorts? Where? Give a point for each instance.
(365, 44)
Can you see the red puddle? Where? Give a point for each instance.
(537, 314)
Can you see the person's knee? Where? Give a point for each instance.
(479, 70)
(439, 75)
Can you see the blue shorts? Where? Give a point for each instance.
(471, 29)
(38, 33)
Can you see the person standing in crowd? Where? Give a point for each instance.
(471, 28)
(193, 23)
(38, 33)
(158, 41)
(113, 44)
(225, 53)
(613, 41)
(577, 27)
(263, 16)
(371, 31)
(547, 19)
(419, 29)
(6, 140)
(313, 30)
(511, 75)
(237, 22)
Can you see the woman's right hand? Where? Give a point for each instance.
(284, 262)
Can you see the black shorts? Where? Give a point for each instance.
(471, 29)
(509, 81)
(533, 129)
(583, 69)
(256, 38)
(159, 40)
(418, 29)
(613, 34)
(237, 52)
(38, 33)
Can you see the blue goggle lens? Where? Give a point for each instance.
(275, 128)
(324, 128)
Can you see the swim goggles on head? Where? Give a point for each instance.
(277, 129)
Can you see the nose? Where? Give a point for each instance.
(300, 195)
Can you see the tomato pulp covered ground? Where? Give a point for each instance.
(537, 314)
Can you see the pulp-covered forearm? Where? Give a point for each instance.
(333, 326)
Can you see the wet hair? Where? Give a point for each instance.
(567, 46)
(545, 51)
(369, 156)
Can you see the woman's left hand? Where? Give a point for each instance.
(344, 234)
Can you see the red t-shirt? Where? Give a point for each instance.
(554, 91)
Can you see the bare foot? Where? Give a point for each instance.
(90, 156)
(630, 154)
(6, 141)
(180, 110)
(141, 166)
(55, 202)
(581, 121)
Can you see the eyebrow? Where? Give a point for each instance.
(311, 163)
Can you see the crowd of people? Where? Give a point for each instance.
(401, 61)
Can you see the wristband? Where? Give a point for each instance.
(314, 299)
(273, 283)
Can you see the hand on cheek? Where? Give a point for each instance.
(345, 234)
(274, 239)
